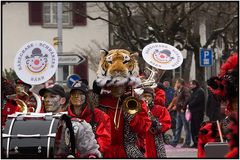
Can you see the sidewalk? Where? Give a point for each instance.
(180, 152)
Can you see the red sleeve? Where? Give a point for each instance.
(10, 108)
(141, 122)
(160, 97)
(165, 119)
(103, 131)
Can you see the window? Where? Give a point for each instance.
(50, 15)
(45, 14)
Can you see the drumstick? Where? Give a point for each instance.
(220, 132)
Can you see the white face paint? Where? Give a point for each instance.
(147, 98)
(51, 102)
(77, 98)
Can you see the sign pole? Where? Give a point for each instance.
(59, 75)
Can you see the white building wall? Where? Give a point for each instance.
(17, 32)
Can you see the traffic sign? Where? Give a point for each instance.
(72, 79)
(70, 59)
(206, 57)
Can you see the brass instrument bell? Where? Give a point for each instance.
(132, 105)
(22, 105)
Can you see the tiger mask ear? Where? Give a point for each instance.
(134, 55)
(103, 53)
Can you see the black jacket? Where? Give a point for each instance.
(197, 101)
(213, 110)
(182, 98)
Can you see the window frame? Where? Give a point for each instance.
(51, 14)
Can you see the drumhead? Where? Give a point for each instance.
(43, 136)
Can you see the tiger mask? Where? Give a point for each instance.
(118, 67)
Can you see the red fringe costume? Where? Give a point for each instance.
(225, 85)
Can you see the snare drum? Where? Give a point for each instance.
(38, 135)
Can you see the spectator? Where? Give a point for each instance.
(183, 95)
(196, 107)
(170, 103)
(213, 110)
(169, 92)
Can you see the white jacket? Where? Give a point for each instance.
(85, 140)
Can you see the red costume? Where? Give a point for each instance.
(160, 97)
(225, 85)
(124, 138)
(9, 106)
(153, 148)
(208, 133)
(100, 123)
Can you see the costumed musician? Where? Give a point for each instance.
(118, 72)
(9, 106)
(161, 122)
(225, 87)
(81, 107)
(19, 99)
(85, 143)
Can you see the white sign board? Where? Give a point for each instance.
(70, 59)
(162, 56)
(36, 62)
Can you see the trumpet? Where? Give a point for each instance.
(131, 105)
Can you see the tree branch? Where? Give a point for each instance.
(218, 31)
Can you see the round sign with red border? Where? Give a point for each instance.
(36, 62)
(162, 56)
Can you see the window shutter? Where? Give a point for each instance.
(35, 13)
(80, 7)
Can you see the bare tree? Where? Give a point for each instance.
(134, 25)
(90, 52)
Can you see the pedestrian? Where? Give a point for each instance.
(54, 98)
(169, 92)
(161, 122)
(173, 113)
(81, 107)
(183, 96)
(196, 106)
(170, 104)
(213, 107)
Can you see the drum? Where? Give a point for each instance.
(38, 135)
